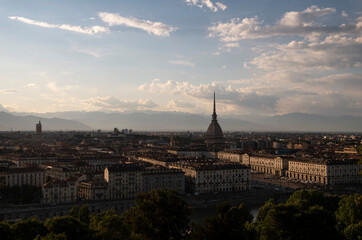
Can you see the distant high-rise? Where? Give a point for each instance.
(214, 135)
(38, 128)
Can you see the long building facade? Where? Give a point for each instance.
(214, 177)
(324, 171)
(22, 176)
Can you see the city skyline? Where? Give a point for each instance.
(261, 58)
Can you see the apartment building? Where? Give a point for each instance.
(59, 191)
(124, 181)
(324, 171)
(211, 176)
(230, 156)
(93, 190)
(269, 164)
(22, 176)
(163, 179)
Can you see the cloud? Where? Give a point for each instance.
(30, 85)
(2, 108)
(91, 51)
(275, 92)
(232, 45)
(221, 6)
(207, 3)
(303, 92)
(227, 95)
(53, 86)
(307, 23)
(8, 90)
(177, 104)
(85, 30)
(182, 62)
(332, 53)
(155, 28)
(305, 18)
(325, 103)
(112, 103)
(349, 84)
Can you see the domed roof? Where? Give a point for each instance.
(214, 130)
(214, 134)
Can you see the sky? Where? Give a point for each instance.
(261, 57)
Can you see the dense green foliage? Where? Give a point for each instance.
(164, 215)
(108, 226)
(308, 215)
(157, 215)
(230, 222)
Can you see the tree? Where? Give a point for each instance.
(109, 226)
(74, 212)
(157, 215)
(52, 236)
(230, 222)
(308, 198)
(291, 221)
(72, 227)
(83, 214)
(353, 231)
(28, 229)
(349, 211)
(264, 210)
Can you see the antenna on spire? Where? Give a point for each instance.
(214, 103)
(214, 113)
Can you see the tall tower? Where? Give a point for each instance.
(38, 128)
(214, 135)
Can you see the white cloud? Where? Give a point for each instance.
(182, 62)
(155, 28)
(85, 30)
(10, 108)
(179, 104)
(333, 52)
(232, 45)
(334, 94)
(112, 103)
(221, 6)
(53, 86)
(227, 95)
(275, 92)
(305, 18)
(207, 3)
(307, 23)
(30, 85)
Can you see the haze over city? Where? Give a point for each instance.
(260, 57)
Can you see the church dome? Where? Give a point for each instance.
(214, 134)
(214, 130)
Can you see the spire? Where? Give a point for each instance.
(214, 113)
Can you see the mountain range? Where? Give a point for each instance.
(175, 121)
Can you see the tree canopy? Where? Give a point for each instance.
(158, 215)
(164, 215)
